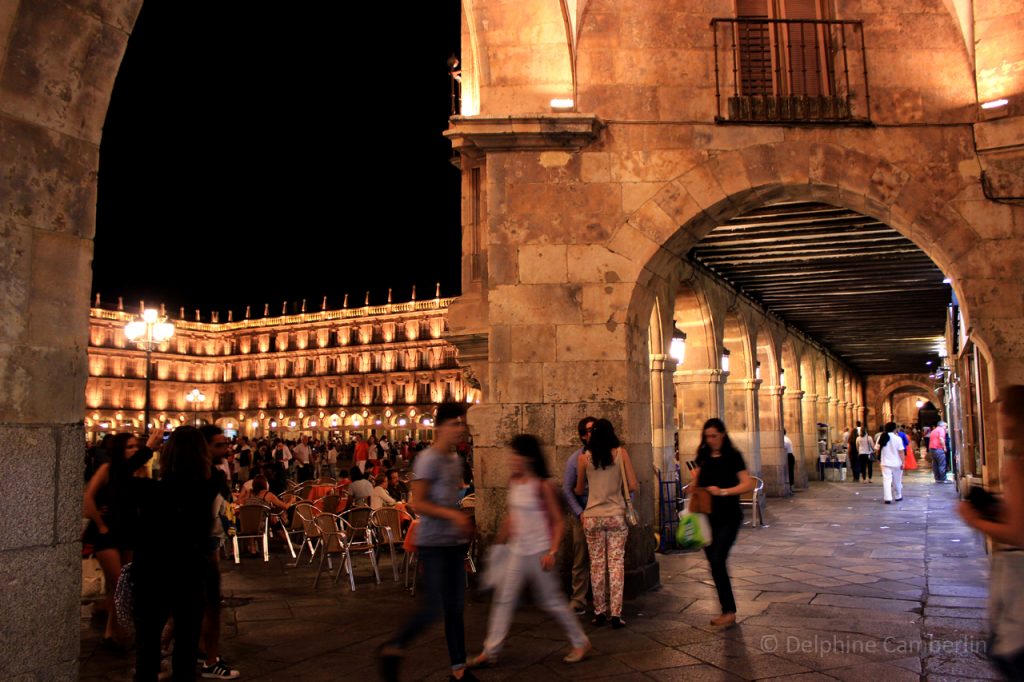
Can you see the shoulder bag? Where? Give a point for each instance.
(632, 518)
(699, 500)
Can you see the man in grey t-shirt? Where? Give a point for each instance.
(441, 538)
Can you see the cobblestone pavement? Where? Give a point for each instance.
(838, 586)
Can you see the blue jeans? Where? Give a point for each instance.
(938, 463)
(444, 589)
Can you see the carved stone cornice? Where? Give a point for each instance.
(476, 135)
(472, 347)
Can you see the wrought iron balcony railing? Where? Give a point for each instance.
(790, 71)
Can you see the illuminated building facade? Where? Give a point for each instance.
(374, 369)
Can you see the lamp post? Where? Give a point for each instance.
(147, 333)
(196, 397)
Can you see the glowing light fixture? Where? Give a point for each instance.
(562, 104)
(920, 404)
(677, 347)
(725, 359)
(995, 103)
(757, 371)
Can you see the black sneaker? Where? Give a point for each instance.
(388, 663)
(219, 671)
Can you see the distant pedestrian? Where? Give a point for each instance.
(891, 458)
(600, 470)
(441, 538)
(576, 541)
(909, 461)
(533, 530)
(937, 449)
(865, 456)
(723, 473)
(790, 458)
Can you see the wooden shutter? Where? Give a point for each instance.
(754, 42)
(805, 68)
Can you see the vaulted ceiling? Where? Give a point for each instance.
(847, 280)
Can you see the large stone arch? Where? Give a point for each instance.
(890, 385)
(59, 61)
(656, 236)
(521, 55)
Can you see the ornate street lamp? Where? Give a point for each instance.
(196, 397)
(147, 333)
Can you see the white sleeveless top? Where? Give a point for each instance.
(529, 532)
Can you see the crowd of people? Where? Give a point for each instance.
(892, 447)
(179, 489)
(175, 573)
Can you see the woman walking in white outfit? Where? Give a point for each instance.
(533, 528)
(891, 456)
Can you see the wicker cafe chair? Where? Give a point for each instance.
(755, 500)
(253, 522)
(359, 540)
(329, 504)
(337, 539)
(358, 517)
(386, 523)
(332, 542)
(301, 512)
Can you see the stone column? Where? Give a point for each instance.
(832, 410)
(741, 419)
(661, 420)
(823, 418)
(773, 453)
(698, 398)
(810, 427)
(794, 422)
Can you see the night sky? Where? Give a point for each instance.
(256, 153)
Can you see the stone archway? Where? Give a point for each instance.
(59, 65)
(658, 235)
(880, 392)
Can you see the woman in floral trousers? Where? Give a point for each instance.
(600, 471)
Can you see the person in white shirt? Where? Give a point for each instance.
(891, 457)
(359, 490)
(301, 454)
(865, 451)
(380, 497)
(332, 459)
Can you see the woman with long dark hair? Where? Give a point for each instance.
(533, 530)
(600, 470)
(723, 473)
(111, 505)
(174, 555)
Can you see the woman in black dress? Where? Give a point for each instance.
(111, 505)
(174, 556)
(722, 472)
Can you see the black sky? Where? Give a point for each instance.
(255, 153)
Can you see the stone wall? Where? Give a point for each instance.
(585, 218)
(59, 60)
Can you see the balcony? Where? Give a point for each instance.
(790, 71)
